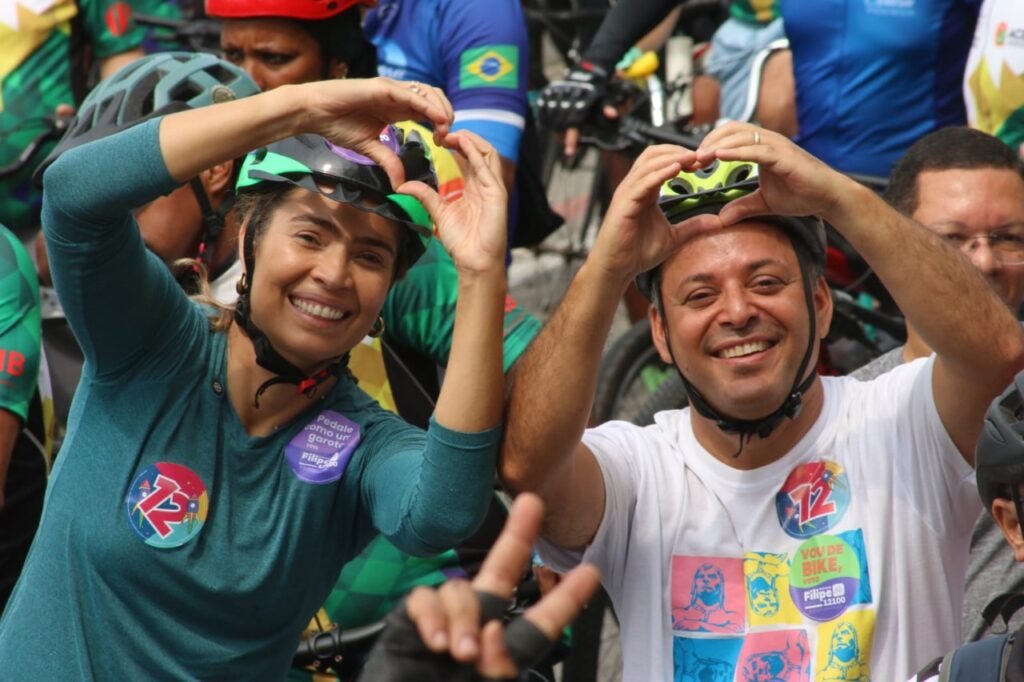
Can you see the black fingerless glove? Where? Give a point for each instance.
(568, 102)
(401, 656)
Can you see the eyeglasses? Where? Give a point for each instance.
(1007, 246)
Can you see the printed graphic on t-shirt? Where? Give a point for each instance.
(708, 595)
(813, 499)
(167, 505)
(392, 61)
(321, 451)
(779, 655)
(799, 613)
(828, 574)
(713, 642)
(844, 648)
(768, 590)
(783, 655)
(705, 660)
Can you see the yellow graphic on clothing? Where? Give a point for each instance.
(844, 648)
(27, 24)
(766, 577)
(995, 103)
(367, 364)
(764, 10)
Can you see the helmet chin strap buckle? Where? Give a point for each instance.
(792, 405)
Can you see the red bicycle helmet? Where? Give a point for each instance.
(291, 9)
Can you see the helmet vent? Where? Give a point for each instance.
(220, 73)
(184, 92)
(739, 174)
(1013, 406)
(140, 98)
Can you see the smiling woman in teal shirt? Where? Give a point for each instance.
(190, 531)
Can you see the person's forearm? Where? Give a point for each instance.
(624, 25)
(115, 62)
(929, 280)
(429, 494)
(554, 382)
(471, 397)
(192, 141)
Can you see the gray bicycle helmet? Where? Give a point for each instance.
(999, 457)
(149, 87)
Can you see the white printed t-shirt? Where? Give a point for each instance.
(842, 560)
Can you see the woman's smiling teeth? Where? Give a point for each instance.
(316, 309)
(744, 349)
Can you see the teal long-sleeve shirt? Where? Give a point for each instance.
(173, 545)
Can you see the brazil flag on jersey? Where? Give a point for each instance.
(491, 66)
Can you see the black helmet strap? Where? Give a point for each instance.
(267, 356)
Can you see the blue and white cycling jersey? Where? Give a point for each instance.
(475, 51)
(873, 76)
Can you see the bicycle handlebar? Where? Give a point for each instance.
(328, 648)
(631, 132)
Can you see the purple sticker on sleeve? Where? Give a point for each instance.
(320, 452)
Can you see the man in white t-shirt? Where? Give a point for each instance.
(786, 526)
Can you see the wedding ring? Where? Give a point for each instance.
(757, 137)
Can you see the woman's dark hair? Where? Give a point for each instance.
(953, 148)
(341, 38)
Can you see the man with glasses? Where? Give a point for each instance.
(968, 187)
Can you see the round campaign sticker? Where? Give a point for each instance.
(813, 499)
(167, 505)
(320, 452)
(823, 577)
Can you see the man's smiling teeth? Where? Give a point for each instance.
(744, 349)
(317, 310)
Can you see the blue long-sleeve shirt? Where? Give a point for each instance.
(173, 544)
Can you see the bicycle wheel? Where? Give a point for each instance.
(670, 395)
(630, 374)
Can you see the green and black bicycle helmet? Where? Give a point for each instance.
(706, 191)
(316, 165)
(999, 457)
(150, 87)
